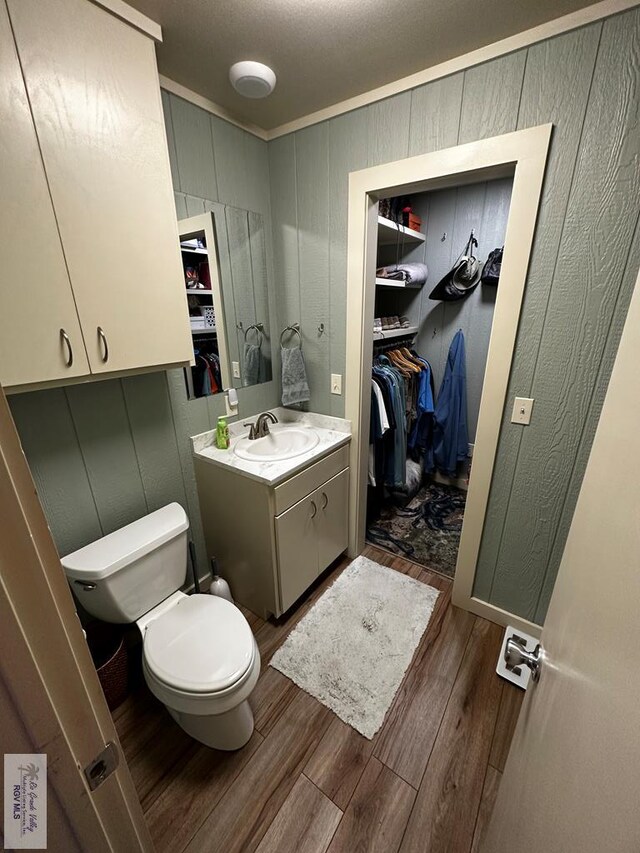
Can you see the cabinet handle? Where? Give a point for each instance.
(326, 500)
(315, 509)
(105, 345)
(67, 342)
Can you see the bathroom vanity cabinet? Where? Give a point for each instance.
(272, 541)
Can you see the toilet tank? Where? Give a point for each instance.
(122, 576)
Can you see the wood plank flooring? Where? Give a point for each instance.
(308, 782)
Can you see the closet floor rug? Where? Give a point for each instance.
(353, 647)
(426, 530)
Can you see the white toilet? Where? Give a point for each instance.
(200, 657)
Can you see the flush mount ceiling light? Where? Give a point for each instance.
(252, 79)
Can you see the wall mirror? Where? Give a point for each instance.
(225, 274)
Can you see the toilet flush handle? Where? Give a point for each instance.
(87, 586)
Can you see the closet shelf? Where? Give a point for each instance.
(199, 291)
(193, 251)
(395, 333)
(388, 233)
(203, 330)
(402, 285)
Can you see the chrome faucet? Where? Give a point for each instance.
(261, 427)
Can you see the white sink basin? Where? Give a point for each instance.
(283, 442)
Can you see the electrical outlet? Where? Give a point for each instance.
(235, 367)
(522, 407)
(336, 383)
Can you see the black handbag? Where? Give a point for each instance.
(491, 269)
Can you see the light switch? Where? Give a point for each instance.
(336, 383)
(521, 413)
(235, 366)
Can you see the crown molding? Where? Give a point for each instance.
(210, 106)
(131, 16)
(550, 29)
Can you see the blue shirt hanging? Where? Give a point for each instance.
(450, 431)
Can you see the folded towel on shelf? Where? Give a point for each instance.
(295, 388)
(409, 273)
(252, 360)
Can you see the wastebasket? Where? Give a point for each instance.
(109, 652)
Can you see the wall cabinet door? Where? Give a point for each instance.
(93, 87)
(297, 549)
(36, 300)
(332, 518)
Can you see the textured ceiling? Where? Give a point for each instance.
(324, 51)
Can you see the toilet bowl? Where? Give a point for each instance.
(200, 659)
(199, 656)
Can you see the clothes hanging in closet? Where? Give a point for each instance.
(206, 375)
(401, 410)
(450, 432)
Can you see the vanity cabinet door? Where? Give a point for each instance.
(332, 518)
(297, 549)
(36, 302)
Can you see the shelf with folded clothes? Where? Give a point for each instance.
(193, 250)
(388, 231)
(401, 285)
(390, 334)
(203, 330)
(402, 275)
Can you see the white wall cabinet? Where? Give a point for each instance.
(96, 117)
(271, 543)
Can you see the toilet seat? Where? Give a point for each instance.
(202, 645)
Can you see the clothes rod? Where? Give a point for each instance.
(394, 344)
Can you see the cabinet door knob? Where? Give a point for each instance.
(326, 500)
(105, 345)
(315, 509)
(67, 342)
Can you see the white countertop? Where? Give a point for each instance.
(332, 432)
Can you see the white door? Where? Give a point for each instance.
(51, 701)
(37, 309)
(572, 779)
(93, 85)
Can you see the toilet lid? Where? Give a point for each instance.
(203, 644)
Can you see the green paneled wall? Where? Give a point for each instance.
(105, 453)
(585, 259)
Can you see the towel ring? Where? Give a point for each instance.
(257, 327)
(294, 328)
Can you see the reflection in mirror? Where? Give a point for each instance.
(225, 270)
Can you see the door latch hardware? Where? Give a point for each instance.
(102, 766)
(516, 655)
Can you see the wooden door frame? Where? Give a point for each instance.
(48, 672)
(522, 154)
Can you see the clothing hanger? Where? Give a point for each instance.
(411, 358)
(398, 363)
(403, 363)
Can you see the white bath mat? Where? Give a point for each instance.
(352, 648)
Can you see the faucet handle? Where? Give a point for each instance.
(252, 431)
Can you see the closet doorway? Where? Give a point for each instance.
(487, 193)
